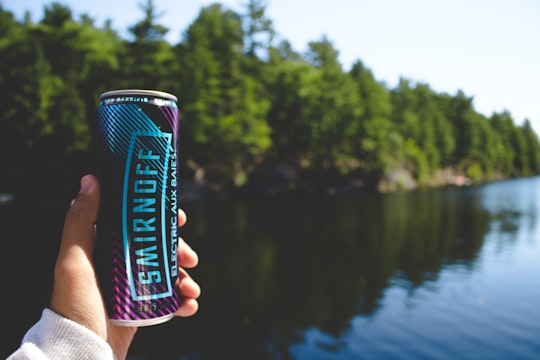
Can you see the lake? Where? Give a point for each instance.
(434, 274)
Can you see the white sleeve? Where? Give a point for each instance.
(56, 337)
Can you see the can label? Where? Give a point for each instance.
(137, 226)
(144, 183)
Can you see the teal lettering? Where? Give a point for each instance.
(148, 155)
(145, 171)
(146, 205)
(151, 277)
(144, 238)
(145, 186)
(142, 225)
(145, 256)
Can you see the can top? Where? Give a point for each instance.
(142, 92)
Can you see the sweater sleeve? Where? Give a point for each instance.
(56, 337)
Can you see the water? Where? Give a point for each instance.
(482, 306)
(438, 274)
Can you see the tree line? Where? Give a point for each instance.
(248, 100)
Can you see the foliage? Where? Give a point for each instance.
(245, 101)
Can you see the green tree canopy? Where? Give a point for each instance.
(245, 101)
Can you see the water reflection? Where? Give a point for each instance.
(273, 269)
(360, 276)
(513, 204)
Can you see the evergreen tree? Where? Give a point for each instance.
(244, 100)
(259, 31)
(223, 114)
(149, 60)
(503, 125)
(332, 107)
(376, 141)
(533, 145)
(288, 81)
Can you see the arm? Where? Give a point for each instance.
(56, 337)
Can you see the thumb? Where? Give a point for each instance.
(78, 234)
(75, 292)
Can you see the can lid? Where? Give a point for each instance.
(141, 92)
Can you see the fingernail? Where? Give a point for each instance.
(85, 184)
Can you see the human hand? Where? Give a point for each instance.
(76, 294)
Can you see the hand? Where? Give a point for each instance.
(76, 294)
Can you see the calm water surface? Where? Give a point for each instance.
(482, 304)
(439, 274)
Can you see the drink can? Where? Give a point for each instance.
(136, 230)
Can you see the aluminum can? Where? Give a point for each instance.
(136, 230)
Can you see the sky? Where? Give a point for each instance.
(489, 49)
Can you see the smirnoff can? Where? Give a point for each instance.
(136, 230)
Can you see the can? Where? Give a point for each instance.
(136, 229)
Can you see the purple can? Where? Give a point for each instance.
(137, 227)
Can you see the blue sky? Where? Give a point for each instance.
(489, 49)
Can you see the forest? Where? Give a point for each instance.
(257, 116)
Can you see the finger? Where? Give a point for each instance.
(187, 286)
(182, 217)
(190, 291)
(187, 257)
(188, 308)
(78, 233)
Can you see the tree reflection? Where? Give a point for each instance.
(273, 268)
